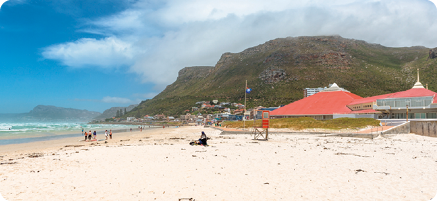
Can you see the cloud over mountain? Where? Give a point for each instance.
(156, 39)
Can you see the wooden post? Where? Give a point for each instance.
(244, 113)
(267, 134)
(407, 113)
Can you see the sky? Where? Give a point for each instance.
(97, 54)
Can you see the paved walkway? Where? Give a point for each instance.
(377, 129)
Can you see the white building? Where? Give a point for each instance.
(311, 91)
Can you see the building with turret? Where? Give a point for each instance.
(335, 102)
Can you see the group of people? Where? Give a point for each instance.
(93, 135)
(89, 135)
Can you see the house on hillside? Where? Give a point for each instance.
(160, 117)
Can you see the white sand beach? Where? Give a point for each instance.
(160, 164)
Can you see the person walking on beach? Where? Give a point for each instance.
(110, 134)
(86, 135)
(82, 131)
(95, 135)
(106, 134)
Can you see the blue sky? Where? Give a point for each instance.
(103, 53)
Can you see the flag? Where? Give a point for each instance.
(248, 90)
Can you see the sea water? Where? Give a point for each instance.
(13, 133)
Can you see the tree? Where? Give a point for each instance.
(138, 115)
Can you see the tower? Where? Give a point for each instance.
(418, 85)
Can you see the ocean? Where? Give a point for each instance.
(15, 133)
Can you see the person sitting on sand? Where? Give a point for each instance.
(203, 139)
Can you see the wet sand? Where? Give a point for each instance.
(161, 165)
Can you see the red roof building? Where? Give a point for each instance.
(336, 102)
(322, 105)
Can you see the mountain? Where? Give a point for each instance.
(48, 113)
(111, 112)
(279, 70)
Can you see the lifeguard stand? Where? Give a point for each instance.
(262, 132)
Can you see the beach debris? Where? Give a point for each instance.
(193, 155)
(359, 170)
(189, 199)
(340, 153)
(74, 145)
(35, 155)
(8, 163)
(266, 183)
(176, 138)
(386, 173)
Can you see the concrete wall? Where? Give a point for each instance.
(426, 128)
(401, 129)
(373, 116)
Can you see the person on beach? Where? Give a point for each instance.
(86, 135)
(203, 139)
(82, 131)
(110, 134)
(95, 135)
(106, 134)
(89, 135)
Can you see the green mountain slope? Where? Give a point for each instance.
(279, 70)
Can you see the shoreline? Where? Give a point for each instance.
(53, 142)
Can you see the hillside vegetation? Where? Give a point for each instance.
(307, 122)
(279, 70)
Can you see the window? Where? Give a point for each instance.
(431, 115)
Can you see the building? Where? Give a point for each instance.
(311, 91)
(335, 102)
(420, 102)
(321, 106)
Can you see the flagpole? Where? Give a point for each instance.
(244, 114)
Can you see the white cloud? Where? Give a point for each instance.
(109, 99)
(156, 41)
(105, 53)
(2, 2)
(434, 2)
